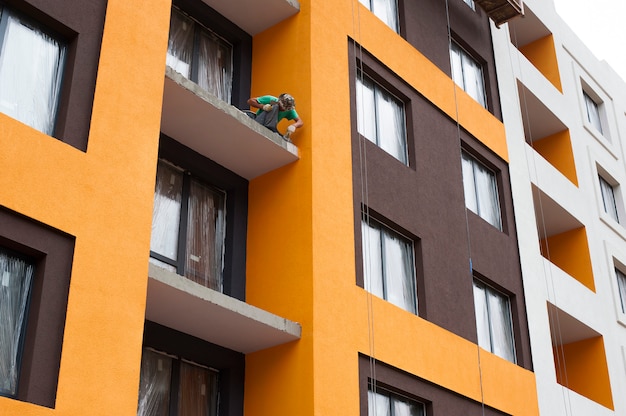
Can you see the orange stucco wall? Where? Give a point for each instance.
(103, 197)
(557, 149)
(570, 252)
(542, 54)
(582, 368)
(306, 272)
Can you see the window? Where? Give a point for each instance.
(593, 112)
(608, 198)
(388, 264)
(31, 70)
(468, 73)
(380, 118)
(493, 321)
(188, 226)
(470, 3)
(621, 285)
(384, 403)
(16, 278)
(481, 191)
(170, 385)
(200, 55)
(385, 10)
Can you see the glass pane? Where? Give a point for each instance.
(206, 229)
(366, 110)
(399, 272)
(405, 407)
(16, 276)
(387, 11)
(372, 259)
(215, 69)
(487, 195)
(180, 45)
(469, 183)
(31, 69)
(501, 329)
(593, 112)
(378, 404)
(154, 384)
(482, 316)
(455, 62)
(166, 211)
(198, 392)
(621, 284)
(390, 120)
(608, 199)
(473, 78)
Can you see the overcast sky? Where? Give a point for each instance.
(601, 25)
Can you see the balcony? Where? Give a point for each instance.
(219, 131)
(501, 11)
(255, 16)
(183, 305)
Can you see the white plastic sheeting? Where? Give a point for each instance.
(493, 321)
(154, 384)
(200, 55)
(481, 190)
(468, 74)
(203, 230)
(380, 118)
(388, 266)
(16, 276)
(31, 70)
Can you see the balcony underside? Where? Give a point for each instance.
(254, 16)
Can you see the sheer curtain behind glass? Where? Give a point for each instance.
(621, 285)
(608, 198)
(468, 74)
(31, 70)
(380, 403)
(16, 276)
(481, 190)
(380, 118)
(154, 384)
(388, 266)
(385, 10)
(493, 321)
(593, 112)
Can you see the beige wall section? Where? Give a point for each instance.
(103, 197)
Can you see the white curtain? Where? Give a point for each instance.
(206, 230)
(481, 190)
(493, 321)
(372, 260)
(468, 74)
(482, 316)
(593, 112)
(621, 284)
(380, 403)
(166, 211)
(608, 198)
(31, 70)
(387, 11)
(16, 276)
(366, 109)
(154, 384)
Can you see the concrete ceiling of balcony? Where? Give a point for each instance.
(539, 121)
(552, 218)
(254, 16)
(567, 329)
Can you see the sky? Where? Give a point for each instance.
(601, 25)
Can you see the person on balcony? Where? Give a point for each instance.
(271, 110)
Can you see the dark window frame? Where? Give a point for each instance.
(81, 26)
(236, 189)
(52, 251)
(237, 37)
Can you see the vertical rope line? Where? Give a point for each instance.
(557, 337)
(467, 230)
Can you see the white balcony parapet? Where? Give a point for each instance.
(220, 131)
(181, 304)
(254, 16)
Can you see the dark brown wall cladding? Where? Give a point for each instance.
(229, 363)
(438, 400)
(426, 200)
(80, 24)
(426, 28)
(52, 252)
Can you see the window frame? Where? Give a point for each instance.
(593, 112)
(67, 20)
(488, 289)
(368, 221)
(236, 189)
(495, 197)
(464, 54)
(610, 192)
(52, 252)
(361, 75)
(620, 278)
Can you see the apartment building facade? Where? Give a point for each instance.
(564, 114)
(167, 255)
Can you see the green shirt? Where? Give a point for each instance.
(269, 99)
